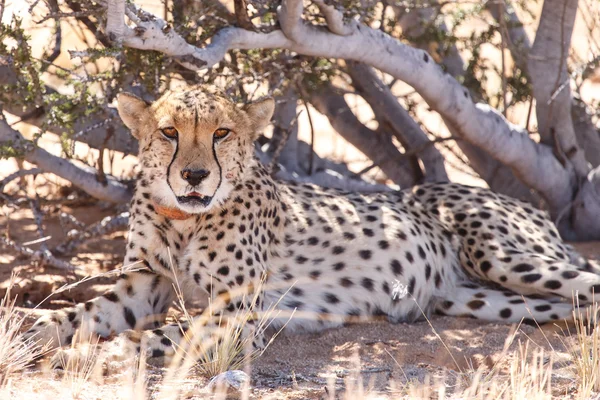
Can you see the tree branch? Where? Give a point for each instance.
(373, 144)
(115, 26)
(81, 176)
(548, 72)
(477, 124)
(90, 130)
(408, 132)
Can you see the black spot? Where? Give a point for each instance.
(570, 274)
(552, 284)
(543, 307)
(313, 241)
(367, 283)
(365, 254)
(475, 304)
(301, 259)
(485, 266)
(411, 285)
(346, 282)
(331, 298)
(129, 317)
(530, 278)
(111, 296)
(224, 270)
(337, 250)
(396, 267)
(523, 268)
(383, 244)
(339, 266)
(422, 253)
(447, 304)
(438, 280)
(506, 313)
(158, 353)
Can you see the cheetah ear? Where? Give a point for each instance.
(260, 113)
(132, 109)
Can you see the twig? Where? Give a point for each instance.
(53, 4)
(91, 127)
(425, 145)
(334, 18)
(104, 227)
(74, 14)
(529, 114)
(241, 15)
(284, 139)
(31, 8)
(67, 219)
(557, 85)
(367, 169)
(311, 156)
(39, 221)
(40, 257)
(503, 36)
(18, 174)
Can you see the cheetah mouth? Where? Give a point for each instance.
(194, 199)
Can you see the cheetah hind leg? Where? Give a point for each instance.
(475, 301)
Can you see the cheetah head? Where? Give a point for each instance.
(194, 145)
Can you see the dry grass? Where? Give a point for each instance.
(15, 354)
(523, 370)
(585, 353)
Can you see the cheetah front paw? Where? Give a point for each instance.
(52, 331)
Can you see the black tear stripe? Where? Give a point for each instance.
(218, 165)
(171, 163)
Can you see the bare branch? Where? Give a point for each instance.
(41, 257)
(18, 174)
(83, 177)
(107, 226)
(477, 124)
(241, 15)
(335, 20)
(408, 132)
(90, 129)
(374, 145)
(548, 72)
(115, 24)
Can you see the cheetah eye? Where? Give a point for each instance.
(170, 132)
(221, 133)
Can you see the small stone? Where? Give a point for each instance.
(230, 382)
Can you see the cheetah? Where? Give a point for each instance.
(207, 214)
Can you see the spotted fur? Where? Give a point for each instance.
(334, 256)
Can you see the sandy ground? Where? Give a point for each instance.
(386, 357)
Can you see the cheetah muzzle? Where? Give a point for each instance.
(206, 213)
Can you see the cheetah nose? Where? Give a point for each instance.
(194, 176)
